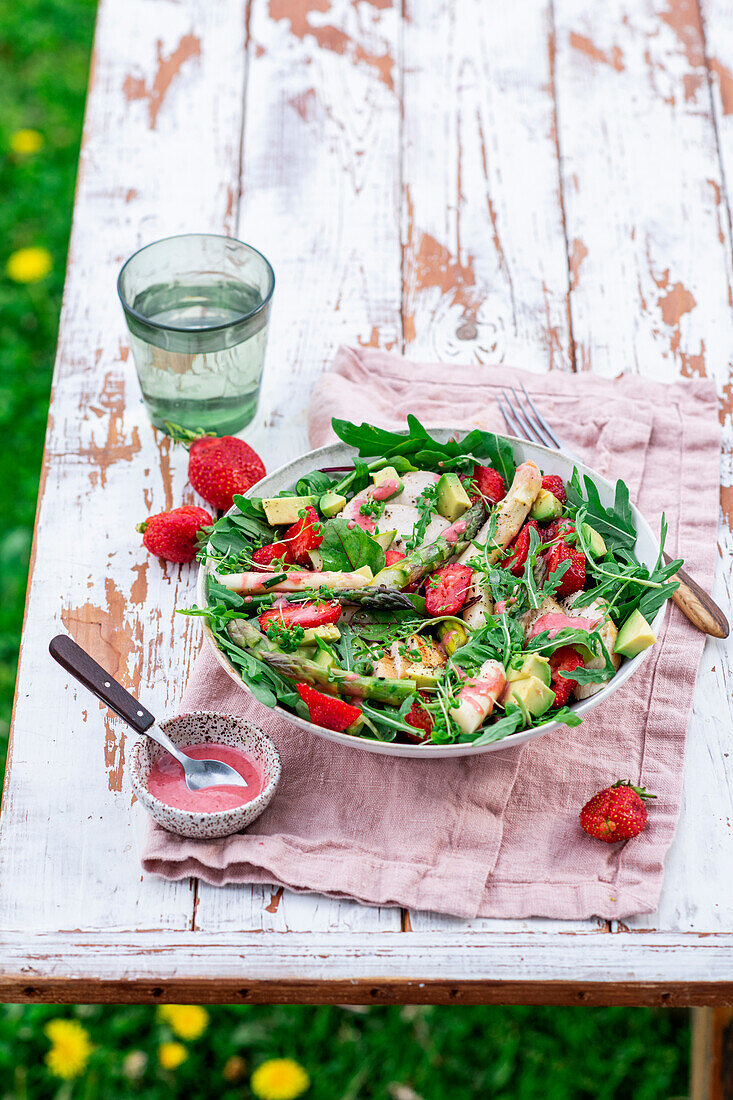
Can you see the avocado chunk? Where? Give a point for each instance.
(316, 559)
(385, 538)
(286, 509)
(324, 659)
(594, 540)
(453, 635)
(545, 507)
(328, 632)
(634, 636)
(453, 500)
(365, 571)
(331, 504)
(530, 694)
(532, 665)
(388, 481)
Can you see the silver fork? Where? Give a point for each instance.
(524, 420)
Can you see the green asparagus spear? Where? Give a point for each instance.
(295, 667)
(346, 683)
(376, 599)
(427, 558)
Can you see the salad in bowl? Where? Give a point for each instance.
(419, 593)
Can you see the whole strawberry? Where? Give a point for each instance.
(219, 467)
(175, 535)
(615, 813)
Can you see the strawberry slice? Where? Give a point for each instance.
(326, 710)
(304, 535)
(520, 546)
(301, 614)
(420, 719)
(563, 660)
(556, 486)
(489, 483)
(265, 556)
(391, 556)
(574, 578)
(446, 590)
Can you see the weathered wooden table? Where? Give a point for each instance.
(540, 183)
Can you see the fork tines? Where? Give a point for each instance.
(524, 420)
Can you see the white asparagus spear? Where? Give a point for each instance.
(477, 696)
(508, 515)
(295, 581)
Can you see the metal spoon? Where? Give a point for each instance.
(198, 773)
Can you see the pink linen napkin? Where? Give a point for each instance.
(494, 835)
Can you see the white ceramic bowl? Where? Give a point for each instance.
(215, 729)
(550, 462)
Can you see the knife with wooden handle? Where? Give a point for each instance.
(700, 608)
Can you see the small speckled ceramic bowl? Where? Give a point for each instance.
(215, 729)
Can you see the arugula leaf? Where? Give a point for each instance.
(615, 523)
(267, 685)
(427, 505)
(653, 598)
(234, 537)
(221, 594)
(347, 548)
(498, 730)
(566, 715)
(498, 451)
(388, 720)
(427, 452)
(252, 507)
(314, 484)
(585, 675)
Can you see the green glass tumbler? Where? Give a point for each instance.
(197, 308)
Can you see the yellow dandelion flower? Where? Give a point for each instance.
(29, 265)
(70, 1048)
(26, 142)
(172, 1055)
(185, 1021)
(279, 1079)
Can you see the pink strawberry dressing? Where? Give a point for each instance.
(355, 518)
(385, 489)
(554, 622)
(454, 532)
(166, 780)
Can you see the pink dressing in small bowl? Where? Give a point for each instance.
(167, 783)
(158, 783)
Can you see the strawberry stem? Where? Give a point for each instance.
(142, 527)
(641, 791)
(185, 435)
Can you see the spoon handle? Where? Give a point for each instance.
(86, 670)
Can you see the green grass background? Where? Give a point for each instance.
(497, 1053)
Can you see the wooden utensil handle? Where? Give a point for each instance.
(86, 670)
(700, 608)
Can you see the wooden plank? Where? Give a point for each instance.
(643, 198)
(485, 265)
(370, 968)
(718, 45)
(320, 196)
(161, 146)
(711, 1055)
(486, 268)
